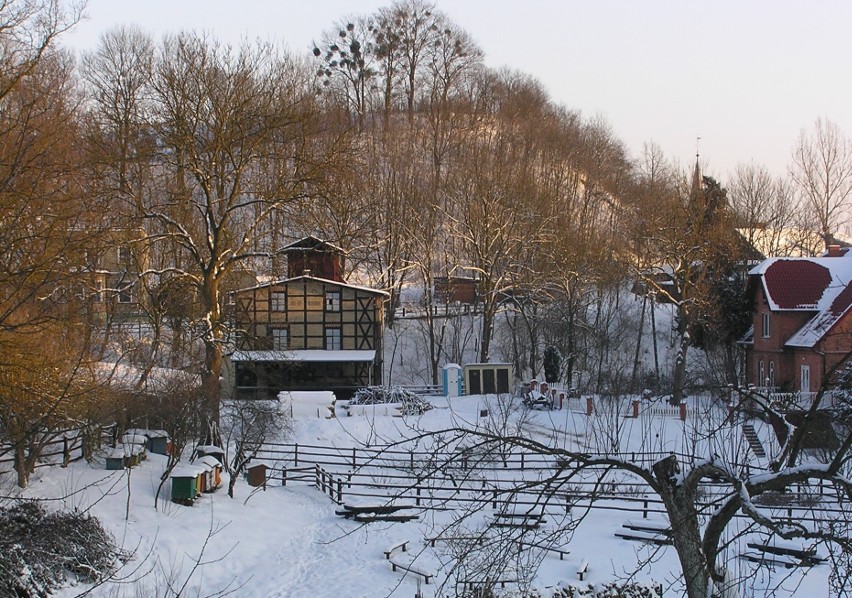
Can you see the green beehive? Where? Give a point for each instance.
(185, 484)
(115, 459)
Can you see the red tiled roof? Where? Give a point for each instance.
(842, 301)
(796, 284)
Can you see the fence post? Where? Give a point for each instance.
(283, 476)
(317, 476)
(66, 453)
(353, 457)
(417, 492)
(494, 499)
(682, 407)
(645, 509)
(522, 461)
(339, 491)
(296, 454)
(590, 405)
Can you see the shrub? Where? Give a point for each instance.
(380, 395)
(41, 551)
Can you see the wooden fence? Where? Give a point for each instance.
(517, 480)
(66, 448)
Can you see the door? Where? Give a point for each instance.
(806, 379)
(475, 384)
(488, 383)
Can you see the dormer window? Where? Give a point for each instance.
(767, 325)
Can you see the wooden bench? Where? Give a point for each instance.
(780, 553)
(434, 539)
(649, 525)
(398, 546)
(411, 569)
(371, 513)
(483, 583)
(774, 560)
(384, 509)
(651, 538)
(518, 520)
(562, 553)
(583, 569)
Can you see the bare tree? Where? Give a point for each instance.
(822, 171)
(238, 138)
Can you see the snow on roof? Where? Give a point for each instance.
(819, 284)
(311, 355)
(316, 278)
(311, 242)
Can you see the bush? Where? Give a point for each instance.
(41, 551)
(381, 395)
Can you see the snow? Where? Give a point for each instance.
(288, 541)
(312, 355)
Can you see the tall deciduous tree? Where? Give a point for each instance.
(822, 170)
(238, 138)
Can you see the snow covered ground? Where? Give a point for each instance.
(288, 541)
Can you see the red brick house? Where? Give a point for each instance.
(802, 323)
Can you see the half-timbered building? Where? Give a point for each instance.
(310, 331)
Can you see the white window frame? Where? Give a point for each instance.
(278, 301)
(333, 338)
(280, 339)
(767, 325)
(761, 373)
(805, 376)
(771, 374)
(332, 301)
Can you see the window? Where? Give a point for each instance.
(767, 331)
(98, 294)
(761, 373)
(124, 256)
(332, 339)
(332, 301)
(278, 301)
(806, 379)
(125, 293)
(280, 339)
(771, 374)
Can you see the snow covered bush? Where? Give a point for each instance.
(41, 551)
(381, 395)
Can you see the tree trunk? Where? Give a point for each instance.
(679, 500)
(679, 376)
(21, 466)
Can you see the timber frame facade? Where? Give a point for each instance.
(307, 333)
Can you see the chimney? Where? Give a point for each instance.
(834, 251)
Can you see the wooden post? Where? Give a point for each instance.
(645, 509)
(682, 407)
(635, 408)
(590, 406)
(522, 461)
(296, 454)
(353, 457)
(66, 452)
(283, 476)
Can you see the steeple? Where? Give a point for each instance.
(697, 190)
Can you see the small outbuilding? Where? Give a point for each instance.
(488, 378)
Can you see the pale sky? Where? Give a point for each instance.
(744, 75)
